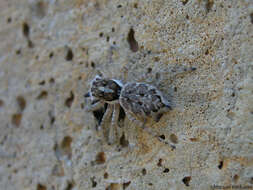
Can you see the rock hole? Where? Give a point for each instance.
(51, 55)
(136, 5)
(94, 183)
(18, 52)
(173, 138)
(236, 178)
(26, 30)
(101, 34)
(184, 2)
(16, 119)
(150, 184)
(69, 56)
(30, 44)
(38, 9)
(209, 5)
(9, 20)
(92, 64)
(162, 137)
(123, 141)
(126, 184)
(106, 175)
(100, 158)
(194, 139)
(251, 18)
(70, 185)
(119, 6)
(1, 103)
(157, 76)
(186, 180)
(144, 171)
(42, 95)
(158, 117)
(156, 59)
(52, 120)
(41, 127)
(21, 103)
(107, 38)
(159, 164)
(114, 186)
(51, 80)
(132, 42)
(41, 187)
(69, 100)
(66, 145)
(220, 166)
(113, 29)
(166, 170)
(207, 52)
(42, 83)
(175, 89)
(149, 70)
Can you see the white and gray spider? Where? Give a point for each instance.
(140, 101)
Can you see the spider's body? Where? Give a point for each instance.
(139, 101)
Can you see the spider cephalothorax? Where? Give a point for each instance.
(140, 101)
(105, 89)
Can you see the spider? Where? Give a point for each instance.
(140, 101)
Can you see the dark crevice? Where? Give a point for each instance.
(132, 42)
(69, 56)
(123, 141)
(70, 100)
(186, 180)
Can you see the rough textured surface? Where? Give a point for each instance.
(51, 49)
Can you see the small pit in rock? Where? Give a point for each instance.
(41, 187)
(100, 158)
(42, 95)
(69, 100)
(21, 103)
(186, 180)
(69, 56)
(16, 119)
(131, 40)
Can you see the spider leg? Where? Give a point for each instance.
(129, 134)
(105, 119)
(113, 126)
(94, 106)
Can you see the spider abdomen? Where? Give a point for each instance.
(142, 100)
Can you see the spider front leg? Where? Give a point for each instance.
(95, 106)
(114, 126)
(105, 119)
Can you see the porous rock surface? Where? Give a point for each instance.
(51, 49)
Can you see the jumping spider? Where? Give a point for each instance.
(140, 101)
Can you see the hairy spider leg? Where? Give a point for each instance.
(94, 107)
(105, 119)
(113, 127)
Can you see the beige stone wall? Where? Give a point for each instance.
(51, 49)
